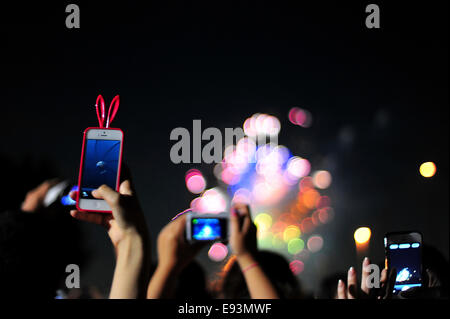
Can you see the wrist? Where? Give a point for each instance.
(167, 271)
(130, 246)
(245, 259)
(169, 268)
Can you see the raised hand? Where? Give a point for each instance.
(351, 291)
(174, 253)
(244, 245)
(128, 232)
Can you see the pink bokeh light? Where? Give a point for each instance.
(296, 266)
(218, 252)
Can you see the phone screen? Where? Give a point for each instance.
(208, 228)
(100, 165)
(66, 200)
(406, 259)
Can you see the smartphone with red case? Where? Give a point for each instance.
(101, 160)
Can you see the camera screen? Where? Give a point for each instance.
(406, 259)
(101, 161)
(206, 228)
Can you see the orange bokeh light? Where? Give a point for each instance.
(362, 235)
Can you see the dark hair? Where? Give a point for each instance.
(328, 286)
(435, 261)
(275, 266)
(192, 283)
(34, 253)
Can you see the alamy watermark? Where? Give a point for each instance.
(373, 19)
(73, 279)
(191, 149)
(73, 19)
(373, 279)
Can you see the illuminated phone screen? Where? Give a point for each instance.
(207, 228)
(100, 165)
(406, 259)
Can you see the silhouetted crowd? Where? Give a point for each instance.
(38, 240)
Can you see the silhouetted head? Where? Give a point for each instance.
(35, 249)
(30, 263)
(435, 261)
(192, 283)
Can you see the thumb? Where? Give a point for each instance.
(108, 194)
(73, 195)
(126, 188)
(234, 222)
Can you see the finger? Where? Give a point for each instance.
(125, 175)
(390, 283)
(45, 186)
(53, 181)
(182, 213)
(245, 217)
(247, 223)
(99, 219)
(365, 275)
(73, 195)
(431, 279)
(108, 194)
(178, 227)
(352, 283)
(242, 209)
(178, 224)
(35, 198)
(234, 222)
(341, 293)
(383, 276)
(125, 188)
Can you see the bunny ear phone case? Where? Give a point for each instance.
(101, 158)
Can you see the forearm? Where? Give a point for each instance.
(162, 284)
(129, 273)
(258, 284)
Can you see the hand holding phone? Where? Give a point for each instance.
(404, 253)
(207, 227)
(174, 252)
(127, 215)
(101, 159)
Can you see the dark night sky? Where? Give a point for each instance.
(220, 62)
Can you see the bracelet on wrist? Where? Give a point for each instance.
(250, 267)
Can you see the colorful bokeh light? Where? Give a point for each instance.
(195, 182)
(301, 117)
(211, 201)
(362, 235)
(298, 167)
(218, 252)
(322, 179)
(295, 246)
(286, 201)
(262, 125)
(296, 266)
(263, 222)
(427, 169)
(290, 233)
(315, 243)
